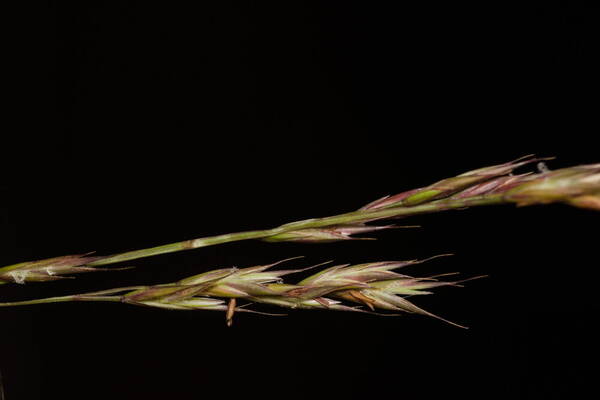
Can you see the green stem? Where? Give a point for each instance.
(62, 299)
(354, 217)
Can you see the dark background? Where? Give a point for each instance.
(132, 124)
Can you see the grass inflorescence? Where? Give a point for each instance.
(365, 288)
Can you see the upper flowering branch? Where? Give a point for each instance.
(576, 186)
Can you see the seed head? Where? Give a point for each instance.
(450, 186)
(233, 282)
(377, 286)
(578, 186)
(49, 269)
(329, 234)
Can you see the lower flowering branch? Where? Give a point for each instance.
(374, 285)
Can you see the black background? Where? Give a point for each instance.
(134, 124)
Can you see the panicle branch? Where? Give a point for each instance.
(577, 186)
(374, 285)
